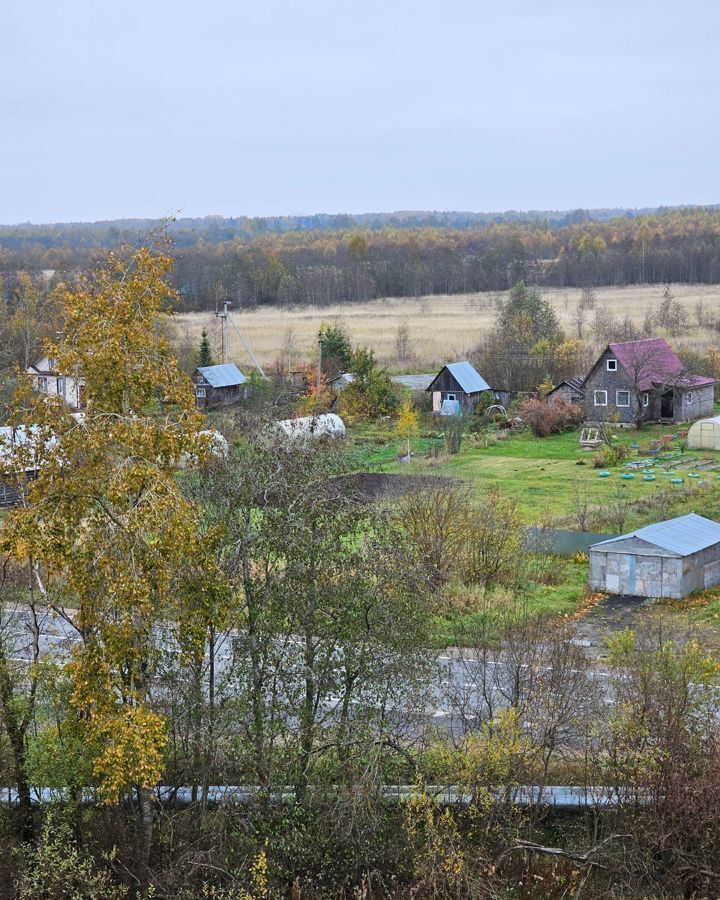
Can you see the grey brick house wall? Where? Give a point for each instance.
(614, 385)
(696, 403)
(605, 384)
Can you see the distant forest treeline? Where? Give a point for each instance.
(329, 259)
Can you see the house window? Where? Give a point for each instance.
(612, 365)
(689, 397)
(622, 398)
(61, 387)
(450, 397)
(600, 398)
(646, 399)
(200, 392)
(42, 384)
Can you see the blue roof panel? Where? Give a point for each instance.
(684, 535)
(225, 375)
(467, 377)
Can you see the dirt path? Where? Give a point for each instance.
(608, 618)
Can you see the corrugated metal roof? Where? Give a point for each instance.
(575, 383)
(684, 535)
(414, 382)
(18, 437)
(467, 377)
(652, 361)
(224, 375)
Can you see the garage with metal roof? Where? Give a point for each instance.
(668, 559)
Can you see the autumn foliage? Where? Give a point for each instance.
(551, 418)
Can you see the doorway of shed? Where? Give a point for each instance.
(666, 405)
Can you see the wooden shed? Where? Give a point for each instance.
(217, 385)
(456, 389)
(569, 391)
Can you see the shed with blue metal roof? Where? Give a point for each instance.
(666, 559)
(218, 385)
(458, 387)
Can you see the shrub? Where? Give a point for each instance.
(610, 456)
(56, 869)
(551, 418)
(371, 394)
(453, 434)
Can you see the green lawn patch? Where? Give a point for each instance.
(555, 600)
(541, 474)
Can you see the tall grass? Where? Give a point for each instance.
(439, 328)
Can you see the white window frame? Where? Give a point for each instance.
(42, 384)
(646, 398)
(617, 399)
(450, 396)
(200, 393)
(595, 398)
(613, 367)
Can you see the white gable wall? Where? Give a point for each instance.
(47, 381)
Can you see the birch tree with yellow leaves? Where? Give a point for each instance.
(114, 546)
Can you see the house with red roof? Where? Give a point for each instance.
(645, 381)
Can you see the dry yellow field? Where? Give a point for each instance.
(439, 327)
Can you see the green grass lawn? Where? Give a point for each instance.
(541, 474)
(560, 599)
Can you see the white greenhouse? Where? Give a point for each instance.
(324, 425)
(704, 434)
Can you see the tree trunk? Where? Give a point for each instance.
(210, 730)
(257, 677)
(307, 719)
(343, 729)
(145, 830)
(16, 731)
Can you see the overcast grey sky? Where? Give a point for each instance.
(144, 107)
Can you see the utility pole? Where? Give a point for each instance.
(223, 319)
(321, 338)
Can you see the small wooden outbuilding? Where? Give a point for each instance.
(570, 391)
(456, 389)
(217, 385)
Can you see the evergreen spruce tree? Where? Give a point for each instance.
(203, 355)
